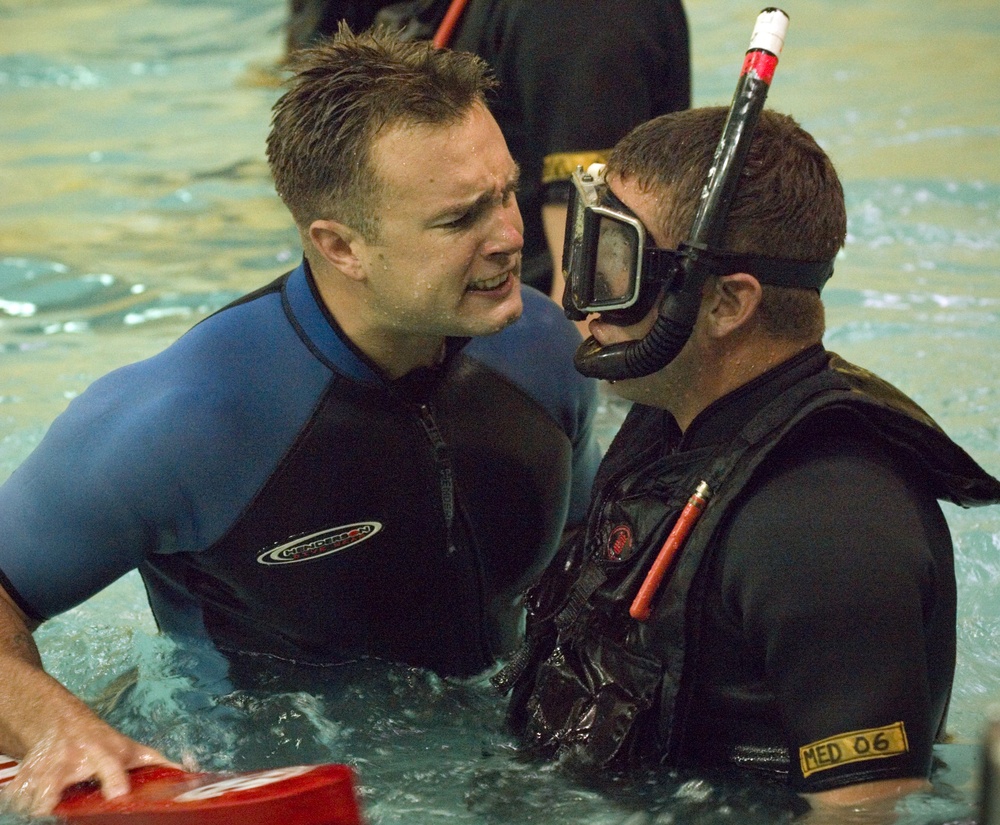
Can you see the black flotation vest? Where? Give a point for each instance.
(599, 689)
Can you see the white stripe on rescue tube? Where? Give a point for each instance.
(8, 768)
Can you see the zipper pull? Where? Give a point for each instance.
(446, 479)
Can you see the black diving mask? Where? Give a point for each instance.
(613, 268)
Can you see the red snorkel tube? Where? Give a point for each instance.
(679, 308)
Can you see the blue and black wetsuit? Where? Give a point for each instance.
(280, 496)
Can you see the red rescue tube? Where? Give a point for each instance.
(160, 795)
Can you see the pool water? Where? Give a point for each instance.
(135, 200)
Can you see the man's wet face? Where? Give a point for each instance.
(447, 260)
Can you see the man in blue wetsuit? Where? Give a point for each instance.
(803, 630)
(329, 468)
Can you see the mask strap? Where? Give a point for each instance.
(770, 271)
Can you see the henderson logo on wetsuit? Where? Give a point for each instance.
(317, 545)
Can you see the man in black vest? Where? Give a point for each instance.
(766, 579)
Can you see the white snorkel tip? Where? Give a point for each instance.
(769, 31)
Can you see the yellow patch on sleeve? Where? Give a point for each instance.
(857, 746)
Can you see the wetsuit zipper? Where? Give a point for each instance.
(446, 477)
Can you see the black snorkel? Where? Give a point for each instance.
(679, 307)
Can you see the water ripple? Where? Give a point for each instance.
(29, 71)
(47, 297)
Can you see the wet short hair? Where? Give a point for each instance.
(789, 202)
(343, 94)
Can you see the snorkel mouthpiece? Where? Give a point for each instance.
(679, 307)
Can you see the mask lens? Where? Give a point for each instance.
(615, 263)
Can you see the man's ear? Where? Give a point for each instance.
(733, 303)
(339, 245)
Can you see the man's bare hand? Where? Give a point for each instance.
(54, 765)
(59, 740)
